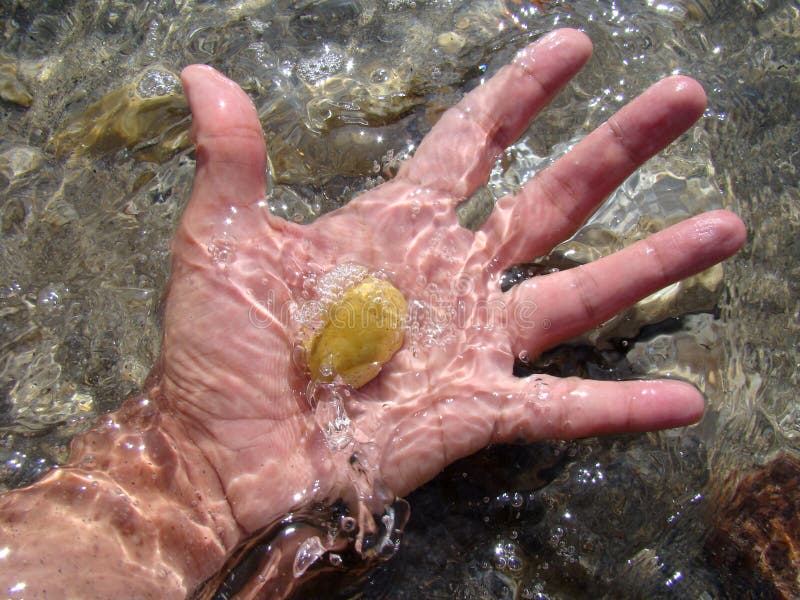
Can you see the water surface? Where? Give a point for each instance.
(95, 169)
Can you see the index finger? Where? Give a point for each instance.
(455, 158)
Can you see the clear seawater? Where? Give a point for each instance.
(92, 185)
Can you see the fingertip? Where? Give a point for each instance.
(687, 92)
(191, 71)
(567, 50)
(688, 404)
(579, 38)
(196, 78)
(217, 104)
(733, 229)
(722, 231)
(567, 35)
(659, 404)
(685, 96)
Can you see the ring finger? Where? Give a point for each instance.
(576, 300)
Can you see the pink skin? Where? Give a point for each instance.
(226, 384)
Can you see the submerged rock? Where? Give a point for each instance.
(11, 88)
(19, 160)
(757, 534)
(148, 116)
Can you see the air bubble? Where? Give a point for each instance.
(379, 76)
(348, 524)
(313, 69)
(51, 298)
(222, 250)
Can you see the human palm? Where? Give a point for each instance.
(227, 368)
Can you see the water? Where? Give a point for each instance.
(95, 168)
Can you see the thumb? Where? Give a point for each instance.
(229, 142)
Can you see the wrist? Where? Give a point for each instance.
(138, 509)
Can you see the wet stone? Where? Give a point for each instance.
(19, 160)
(361, 328)
(11, 88)
(12, 216)
(146, 116)
(758, 531)
(451, 42)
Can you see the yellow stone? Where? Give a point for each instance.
(362, 330)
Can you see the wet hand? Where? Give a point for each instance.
(229, 370)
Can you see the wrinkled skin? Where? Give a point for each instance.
(227, 365)
(224, 441)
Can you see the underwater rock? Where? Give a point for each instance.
(451, 42)
(380, 100)
(11, 88)
(758, 531)
(18, 160)
(346, 112)
(148, 116)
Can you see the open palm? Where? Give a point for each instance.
(227, 368)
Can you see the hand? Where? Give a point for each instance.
(227, 370)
